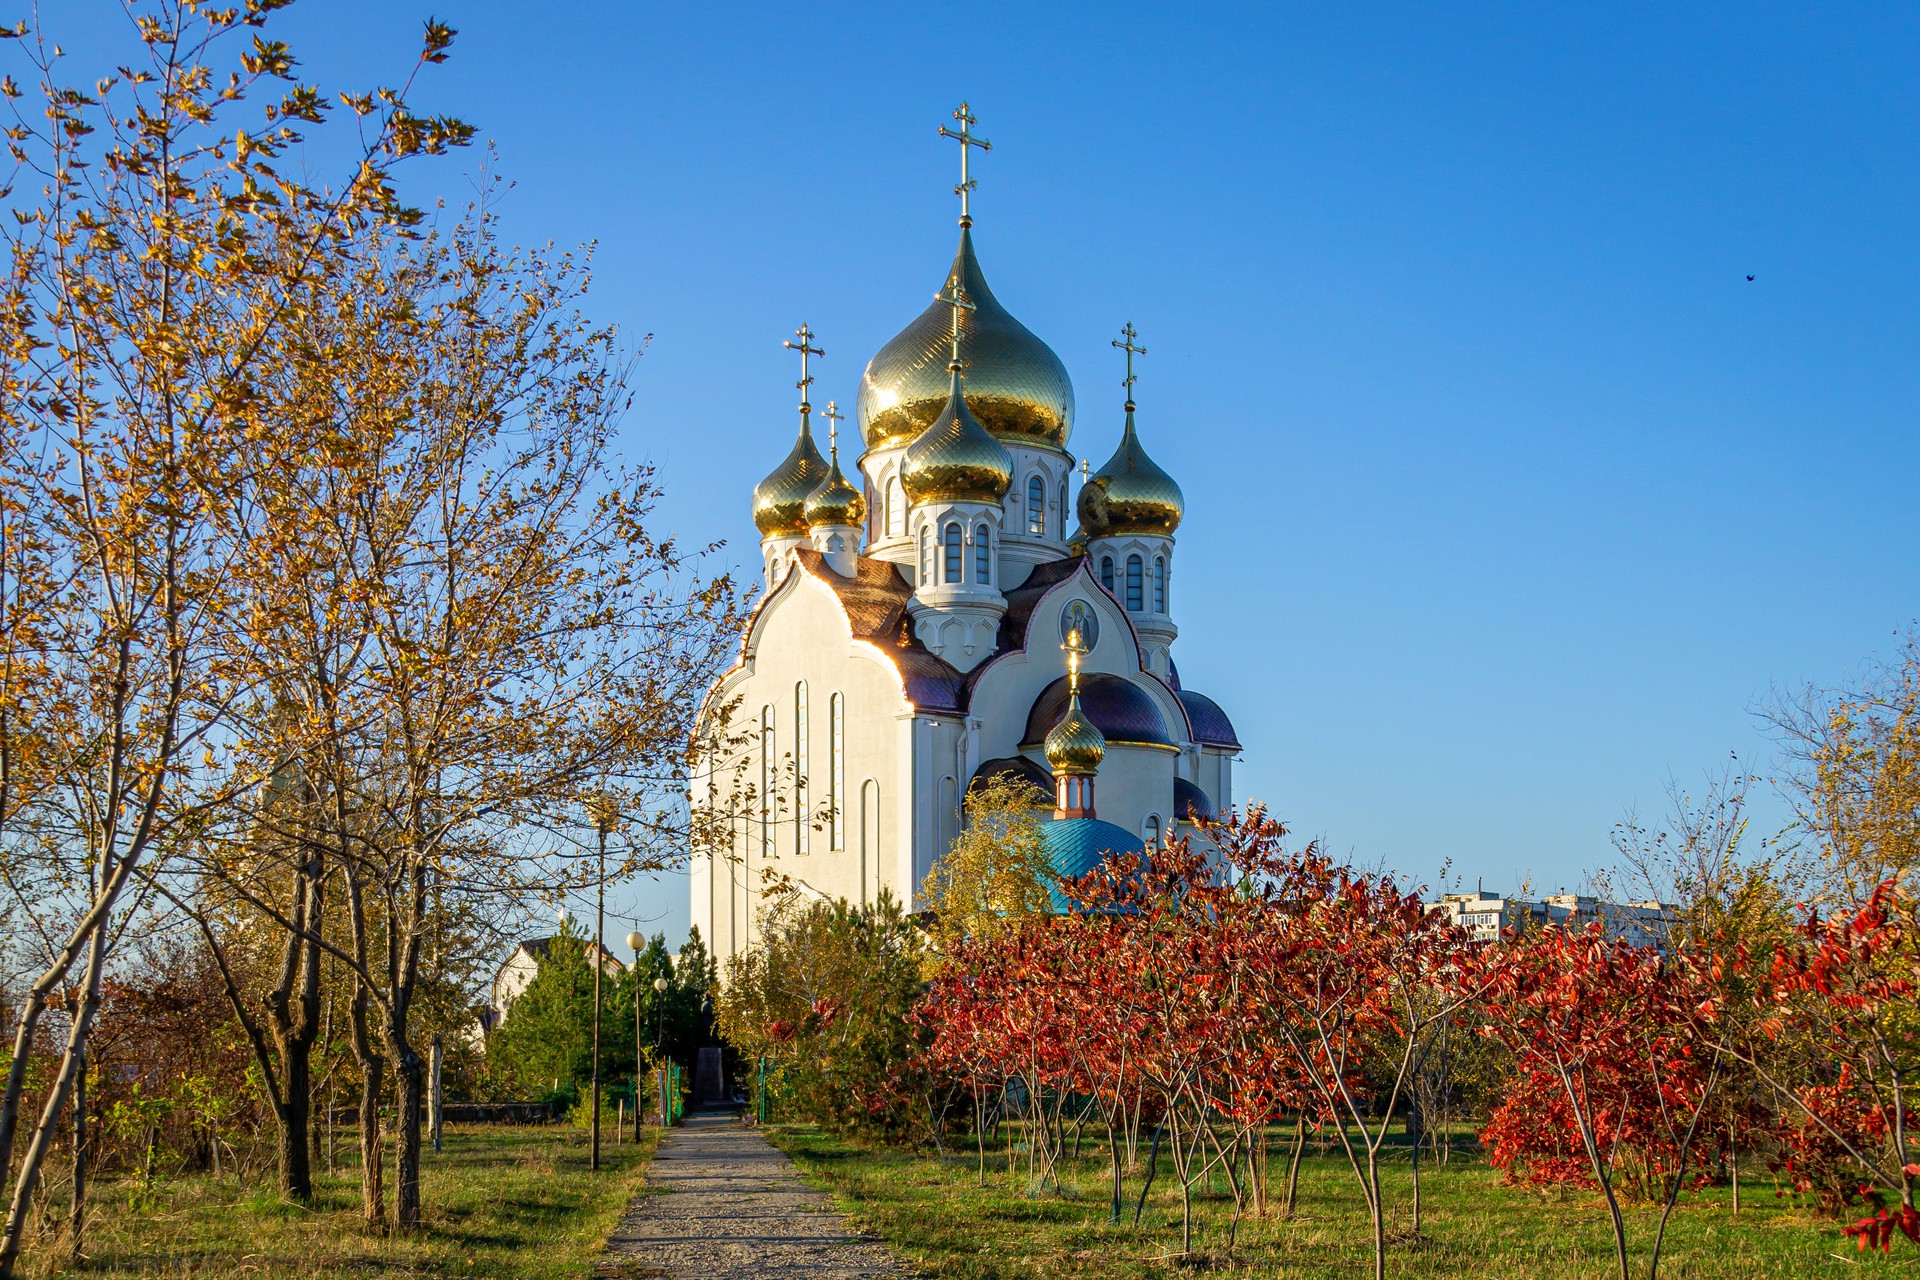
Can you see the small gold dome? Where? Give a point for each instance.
(954, 459)
(835, 502)
(1075, 746)
(780, 501)
(1130, 493)
(1015, 383)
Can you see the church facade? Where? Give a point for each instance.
(918, 621)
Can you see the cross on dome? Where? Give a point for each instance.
(833, 417)
(1125, 343)
(967, 140)
(806, 348)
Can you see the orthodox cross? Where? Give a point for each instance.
(1126, 344)
(967, 140)
(833, 416)
(806, 348)
(1074, 649)
(955, 296)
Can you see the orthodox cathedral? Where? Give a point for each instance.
(963, 611)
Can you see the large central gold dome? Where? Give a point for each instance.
(1016, 386)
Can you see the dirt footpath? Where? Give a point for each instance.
(722, 1204)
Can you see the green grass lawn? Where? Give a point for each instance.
(498, 1201)
(933, 1210)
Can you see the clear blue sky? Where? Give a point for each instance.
(1509, 495)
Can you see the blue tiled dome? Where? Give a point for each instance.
(1076, 846)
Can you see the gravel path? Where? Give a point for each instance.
(722, 1204)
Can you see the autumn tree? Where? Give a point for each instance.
(997, 874)
(146, 283)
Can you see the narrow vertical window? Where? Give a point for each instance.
(896, 510)
(983, 555)
(1159, 584)
(1106, 572)
(1134, 604)
(837, 768)
(802, 826)
(769, 768)
(926, 555)
(1151, 833)
(1036, 505)
(950, 537)
(1063, 508)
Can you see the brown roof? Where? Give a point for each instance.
(875, 600)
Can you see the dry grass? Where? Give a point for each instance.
(499, 1201)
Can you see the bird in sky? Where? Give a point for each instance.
(1749, 279)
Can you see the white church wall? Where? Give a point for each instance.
(802, 637)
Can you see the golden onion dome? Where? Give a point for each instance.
(955, 459)
(1130, 493)
(780, 501)
(1015, 383)
(1075, 746)
(835, 502)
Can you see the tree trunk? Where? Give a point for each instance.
(408, 1094)
(34, 1159)
(77, 1221)
(373, 1200)
(1293, 1161)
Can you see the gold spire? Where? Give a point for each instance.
(968, 140)
(779, 501)
(835, 501)
(1130, 493)
(955, 458)
(1074, 747)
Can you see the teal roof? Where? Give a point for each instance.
(1076, 846)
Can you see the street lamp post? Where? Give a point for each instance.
(635, 941)
(659, 1014)
(603, 819)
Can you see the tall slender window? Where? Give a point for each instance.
(1106, 572)
(950, 538)
(896, 510)
(769, 771)
(1036, 505)
(837, 767)
(1159, 584)
(1063, 508)
(1134, 604)
(802, 828)
(982, 555)
(1151, 832)
(926, 555)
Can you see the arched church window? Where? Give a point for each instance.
(982, 555)
(1159, 584)
(1106, 572)
(1134, 604)
(926, 555)
(1063, 508)
(837, 772)
(802, 828)
(769, 768)
(1151, 831)
(950, 536)
(896, 510)
(1036, 505)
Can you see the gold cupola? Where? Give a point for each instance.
(780, 501)
(1075, 747)
(835, 501)
(955, 459)
(1130, 493)
(1016, 385)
